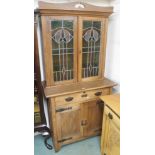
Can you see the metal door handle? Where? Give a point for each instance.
(98, 93)
(110, 116)
(84, 95)
(68, 99)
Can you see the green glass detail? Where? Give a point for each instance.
(62, 49)
(91, 43)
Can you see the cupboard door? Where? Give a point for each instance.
(93, 113)
(92, 31)
(68, 120)
(111, 140)
(60, 47)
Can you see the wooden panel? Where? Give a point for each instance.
(93, 112)
(113, 102)
(53, 124)
(78, 87)
(81, 97)
(69, 8)
(66, 127)
(47, 51)
(110, 141)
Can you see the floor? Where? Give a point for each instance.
(89, 146)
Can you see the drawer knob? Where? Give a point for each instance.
(68, 99)
(110, 116)
(84, 95)
(98, 93)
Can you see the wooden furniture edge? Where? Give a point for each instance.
(47, 95)
(46, 8)
(111, 108)
(71, 7)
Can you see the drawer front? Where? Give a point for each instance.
(81, 97)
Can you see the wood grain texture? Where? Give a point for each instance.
(47, 51)
(93, 112)
(113, 102)
(110, 139)
(53, 124)
(68, 8)
(77, 87)
(67, 128)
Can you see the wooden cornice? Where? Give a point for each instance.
(69, 8)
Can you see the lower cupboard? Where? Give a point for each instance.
(71, 122)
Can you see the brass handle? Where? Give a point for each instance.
(68, 99)
(110, 116)
(84, 95)
(98, 93)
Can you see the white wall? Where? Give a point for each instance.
(113, 42)
(112, 67)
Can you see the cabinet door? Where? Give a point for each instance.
(93, 113)
(92, 41)
(60, 45)
(111, 136)
(68, 120)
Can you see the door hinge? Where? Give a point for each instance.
(63, 109)
(63, 140)
(98, 130)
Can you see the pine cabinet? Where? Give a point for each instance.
(110, 140)
(74, 46)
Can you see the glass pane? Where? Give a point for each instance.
(62, 49)
(91, 48)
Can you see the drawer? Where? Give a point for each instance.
(81, 97)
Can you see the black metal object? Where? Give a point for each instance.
(68, 99)
(110, 116)
(63, 140)
(63, 109)
(98, 93)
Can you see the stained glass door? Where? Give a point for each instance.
(62, 35)
(91, 48)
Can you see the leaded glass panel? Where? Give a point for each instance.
(91, 42)
(62, 49)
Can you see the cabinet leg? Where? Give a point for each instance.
(57, 147)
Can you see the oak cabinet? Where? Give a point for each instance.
(74, 47)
